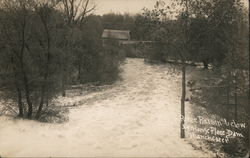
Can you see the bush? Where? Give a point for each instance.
(54, 114)
(215, 94)
(110, 59)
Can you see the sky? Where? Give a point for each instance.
(122, 6)
(127, 6)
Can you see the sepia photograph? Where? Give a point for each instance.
(124, 79)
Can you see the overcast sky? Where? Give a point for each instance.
(122, 6)
(126, 6)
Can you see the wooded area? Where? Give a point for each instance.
(212, 32)
(44, 49)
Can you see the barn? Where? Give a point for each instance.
(115, 35)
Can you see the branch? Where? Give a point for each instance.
(77, 7)
(85, 11)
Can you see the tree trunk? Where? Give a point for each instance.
(63, 87)
(46, 75)
(24, 75)
(205, 63)
(183, 96)
(79, 73)
(26, 86)
(235, 99)
(227, 100)
(20, 103)
(183, 60)
(47, 100)
(27, 94)
(27, 90)
(39, 111)
(19, 91)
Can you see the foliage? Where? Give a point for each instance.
(43, 50)
(117, 21)
(31, 37)
(211, 31)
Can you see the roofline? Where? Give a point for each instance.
(116, 30)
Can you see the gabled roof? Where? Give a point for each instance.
(116, 34)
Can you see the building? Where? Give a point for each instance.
(115, 35)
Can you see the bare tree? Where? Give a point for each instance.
(30, 32)
(76, 10)
(18, 10)
(44, 12)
